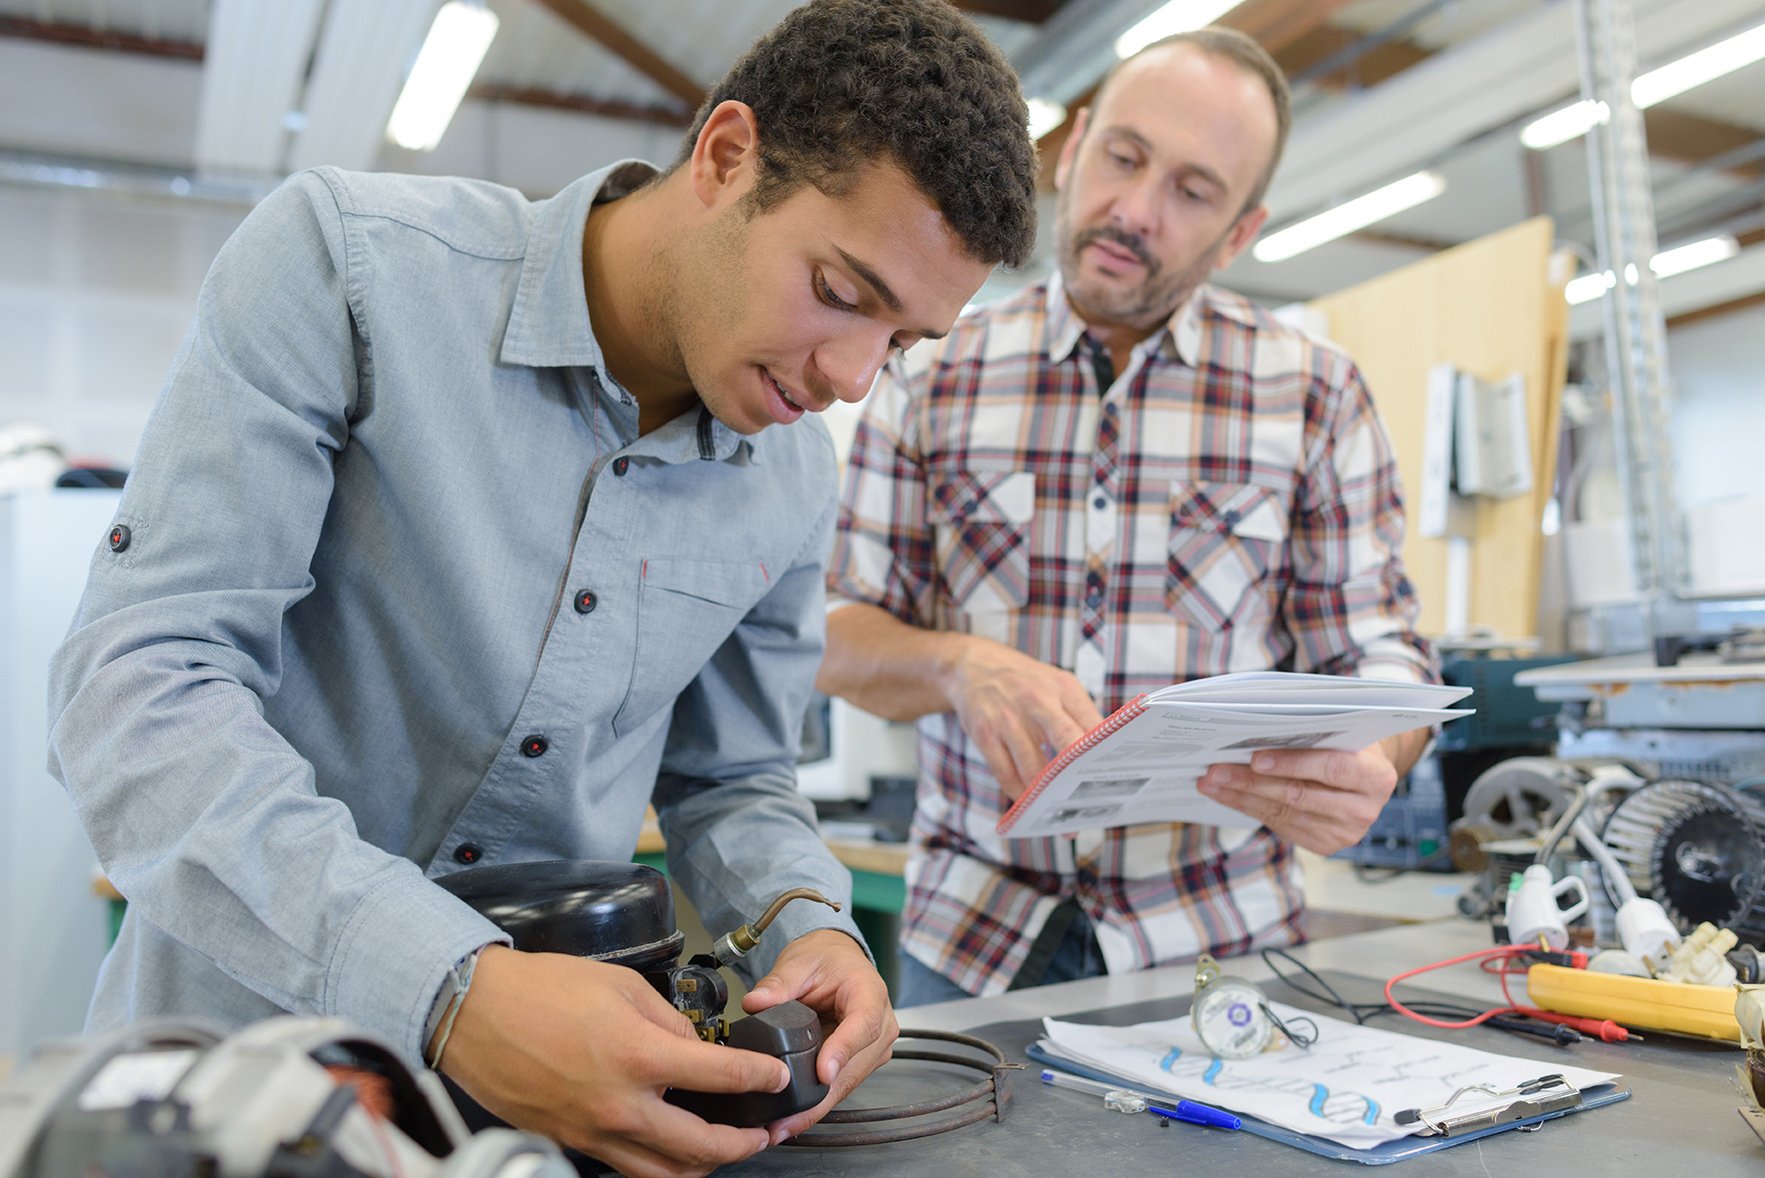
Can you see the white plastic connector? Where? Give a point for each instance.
(1534, 914)
(1646, 933)
(1699, 961)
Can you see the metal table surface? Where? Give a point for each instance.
(1681, 1118)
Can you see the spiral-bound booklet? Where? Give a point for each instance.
(1142, 763)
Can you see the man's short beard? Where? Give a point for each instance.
(1149, 303)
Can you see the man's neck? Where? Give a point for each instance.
(626, 284)
(1119, 338)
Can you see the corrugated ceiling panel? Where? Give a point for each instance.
(251, 76)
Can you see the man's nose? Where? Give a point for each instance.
(848, 365)
(1136, 205)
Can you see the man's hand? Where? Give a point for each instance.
(1018, 712)
(1320, 800)
(828, 972)
(582, 1052)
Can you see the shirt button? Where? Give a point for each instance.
(467, 853)
(1100, 503)
(118, 538)
(585, 602)
(620, 466)
(534, 746)
(1094, 598)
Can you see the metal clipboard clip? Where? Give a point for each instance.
(1528, 1099)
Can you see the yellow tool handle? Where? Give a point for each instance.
(1705, 1011)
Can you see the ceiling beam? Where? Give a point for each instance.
(85, 37)
(597, 26)
(1277, 24)
(606, 108)
(1322, 42)
(1030, 12)
(1687, 138)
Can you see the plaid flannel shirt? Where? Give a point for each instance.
(1228, 503)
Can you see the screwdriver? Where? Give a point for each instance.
(1603, 1029)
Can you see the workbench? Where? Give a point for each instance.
(1680, 1119)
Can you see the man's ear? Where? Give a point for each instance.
(1070, 149)
(1243, 232)
(726, 155)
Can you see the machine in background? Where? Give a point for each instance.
(1671, 761)
(1413, 831)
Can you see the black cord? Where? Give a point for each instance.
(1360, 1012)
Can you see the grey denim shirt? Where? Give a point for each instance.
(395, 585)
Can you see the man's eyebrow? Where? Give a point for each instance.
(883, 292)
(864, 271)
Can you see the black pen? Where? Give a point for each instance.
(1557, 1033)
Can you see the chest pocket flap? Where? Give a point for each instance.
(686, 609)
(1225, 540)
(981, 519)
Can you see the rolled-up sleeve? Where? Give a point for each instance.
(1350, 608)
(203, 814)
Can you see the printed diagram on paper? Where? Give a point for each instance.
(1347, 1087)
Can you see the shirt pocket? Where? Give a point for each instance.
(686, 609)
(1225, 541)
(981, 525)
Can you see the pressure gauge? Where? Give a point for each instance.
(1231, 1015)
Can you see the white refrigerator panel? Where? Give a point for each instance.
(53, 929)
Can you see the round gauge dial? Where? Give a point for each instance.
(1230, 1021)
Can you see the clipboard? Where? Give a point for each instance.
(1379, 1155)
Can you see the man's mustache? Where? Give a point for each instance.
(1128, 241)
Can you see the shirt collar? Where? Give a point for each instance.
(1179, 338)
(548, 323)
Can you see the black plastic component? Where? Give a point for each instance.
(621, 913)
(1749, 964)
(789, 1031)
(700, 992)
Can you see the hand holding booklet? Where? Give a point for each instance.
(1143, 762)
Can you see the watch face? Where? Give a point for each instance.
(1230, 1022)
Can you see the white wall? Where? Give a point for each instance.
(95, 294)
(1718, 368)
(53, 929)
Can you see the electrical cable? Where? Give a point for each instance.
(1568, 1029)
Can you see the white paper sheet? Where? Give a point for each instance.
(1347, 1087)
(1144, 767)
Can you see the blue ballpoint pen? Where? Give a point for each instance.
(1197, 1114)
(1184, 1110)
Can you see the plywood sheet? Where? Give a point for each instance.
(1491, 308)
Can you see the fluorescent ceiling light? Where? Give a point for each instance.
(1588, 287)
(1658, 85)
(456, 44)
(1695, 69)
(1690, 256)
(1560, 126)
(1179, 16)
(1045, 116)
(1665, 264)
(1346, 218)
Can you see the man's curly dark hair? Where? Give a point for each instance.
(844, 83)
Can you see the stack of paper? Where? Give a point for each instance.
(1143, 762)
(1347, 1087)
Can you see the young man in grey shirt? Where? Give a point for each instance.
(467, 526)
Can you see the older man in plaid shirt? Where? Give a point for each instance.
(1116, 480)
